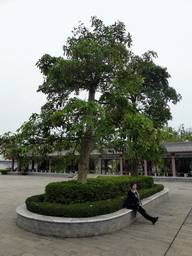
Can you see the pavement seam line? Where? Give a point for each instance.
(178, 232)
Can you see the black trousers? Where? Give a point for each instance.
(143, 212)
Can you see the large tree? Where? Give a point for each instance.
(93, 60)
(138, 119)
(132, 102)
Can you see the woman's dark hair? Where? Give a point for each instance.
(132, 183)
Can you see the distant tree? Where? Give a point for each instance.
(180, 135)
(92, 164)
(57, 163)
(8, 147)
(184, 134)
(35, 140)
(31, 142)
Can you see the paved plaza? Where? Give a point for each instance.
(170, 236)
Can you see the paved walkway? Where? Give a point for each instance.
(170, 236)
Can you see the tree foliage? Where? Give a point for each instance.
(180, 135)
(8, 147)
(153, 95)
(11, 149)
(138, 139)
(125, 106)
(91, 63)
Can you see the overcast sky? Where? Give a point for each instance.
(31, 28)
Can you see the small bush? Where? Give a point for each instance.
(37, 205)
(5, 171)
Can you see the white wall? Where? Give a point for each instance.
(5, 163)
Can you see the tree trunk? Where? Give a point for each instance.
(134, 168)
(12, 166)
(19, 166)
(149, 167)
(83, 166)
(33, 165)
(134, 158)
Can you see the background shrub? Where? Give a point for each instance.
(5, 171)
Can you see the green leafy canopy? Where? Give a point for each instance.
(126, 100)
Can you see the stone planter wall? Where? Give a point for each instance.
(82, 227)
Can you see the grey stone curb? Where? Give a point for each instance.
(173, 179)
(83, 227)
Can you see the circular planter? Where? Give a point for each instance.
(83, 227)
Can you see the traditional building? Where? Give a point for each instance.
(176, 151)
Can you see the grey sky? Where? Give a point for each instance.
(30, 28)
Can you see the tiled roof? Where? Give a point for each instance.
(178, 147)
(172, 147)
(107, 152)
(63, 152)
(94, 152)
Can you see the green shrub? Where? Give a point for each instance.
(74, 210)
(70, 192)
(37, 205)
(5, 171)
(150, 191)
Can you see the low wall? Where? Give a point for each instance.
(172, 179)
(82, 227)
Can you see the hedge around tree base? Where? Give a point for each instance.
(99, 189)
(37, 205)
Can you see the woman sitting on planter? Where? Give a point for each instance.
(134, 203)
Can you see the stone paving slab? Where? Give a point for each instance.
(170, 236)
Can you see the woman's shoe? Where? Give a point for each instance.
(155, 220)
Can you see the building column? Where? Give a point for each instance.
(100, 165)
(106, 166)
(121, 165)
(173, 164)
(145, 167)
(49, 164)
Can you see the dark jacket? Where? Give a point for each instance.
(133, 200)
